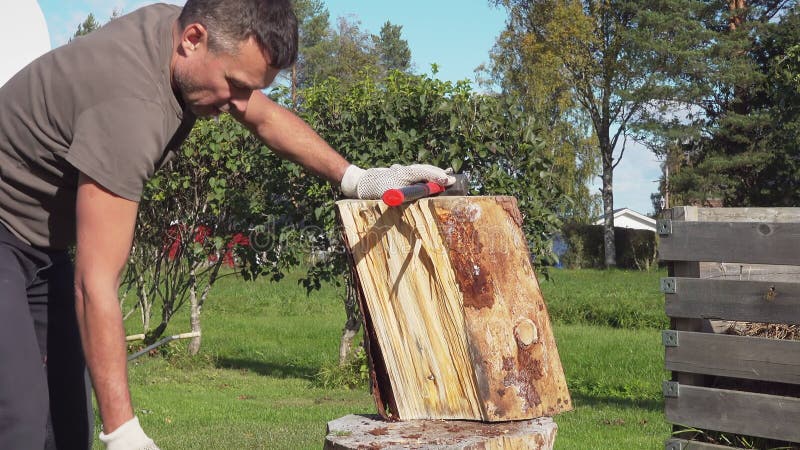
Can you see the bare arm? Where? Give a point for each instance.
(105, 225)
(290, 137)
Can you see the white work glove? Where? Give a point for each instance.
(370, 184)
(129, 436)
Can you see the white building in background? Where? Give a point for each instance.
(628, 218)
(23, 36)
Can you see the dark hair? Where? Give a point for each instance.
(229, 22)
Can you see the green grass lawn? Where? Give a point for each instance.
(615, 298)
(253, 386)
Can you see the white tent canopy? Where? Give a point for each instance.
(24, 36)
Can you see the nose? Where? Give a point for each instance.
(239, 99)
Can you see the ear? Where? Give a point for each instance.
(194, 37)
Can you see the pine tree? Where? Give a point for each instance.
(392, 48)
(721, 110)
(86, 27)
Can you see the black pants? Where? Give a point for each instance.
(45, 397)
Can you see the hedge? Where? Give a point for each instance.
(636, 249)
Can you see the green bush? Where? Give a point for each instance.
(636, 249)
(352, 374)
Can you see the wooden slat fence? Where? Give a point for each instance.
(731, 264)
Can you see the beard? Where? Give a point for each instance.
(186, 87)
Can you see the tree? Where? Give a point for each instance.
(314, 32)
(406, 118)
(202, 212)
(86, 27)
(586, 59)
(721, 131)
(392, 49)
(343, 51)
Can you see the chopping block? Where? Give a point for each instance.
(372, 432)
(455, 324)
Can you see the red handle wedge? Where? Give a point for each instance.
(396, 197)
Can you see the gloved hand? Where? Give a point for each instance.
(129, 436)
(370, 184)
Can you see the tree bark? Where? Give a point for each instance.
(609, 245)
(737, 10)
(145, 303)
(194, 316)
(353, 323)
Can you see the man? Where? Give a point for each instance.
(81, 130)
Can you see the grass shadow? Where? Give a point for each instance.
(268, 369)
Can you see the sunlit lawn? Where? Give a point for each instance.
(253, 384)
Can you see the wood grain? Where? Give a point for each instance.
(456, 308)
(736, 357)
(742, 242)
(750, 301)
(747, 413)
(355, 432)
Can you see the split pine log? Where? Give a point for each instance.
(455, 322)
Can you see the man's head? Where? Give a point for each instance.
(229, 48)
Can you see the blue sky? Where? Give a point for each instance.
(455, 34)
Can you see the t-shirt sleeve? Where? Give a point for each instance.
(118, 145)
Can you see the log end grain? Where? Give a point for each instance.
(371, 432)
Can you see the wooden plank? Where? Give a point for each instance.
(735, 357)
(357, 432)
(749, 272)
(749, 301)
(783, 215)
(428, 368)
(747, 413)
(742, 271)
(751, 242)
(511, 340)
(687, 269)
(455, 309)
(683, 444)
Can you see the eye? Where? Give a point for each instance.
(237, 84)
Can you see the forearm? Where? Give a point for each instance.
(291, 138)
(103, 338)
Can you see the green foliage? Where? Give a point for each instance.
(343, 51)
(351, 374)
(392, 48)
(636, 249)
(409, 118)
(200, 212)
(86, 27)
(524, 63)
(728, 126)
(584, 63)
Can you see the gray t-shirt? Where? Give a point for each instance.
(102, 105)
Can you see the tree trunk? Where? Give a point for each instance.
(197, 303)
(609, 245)
(194, 316)
(145, 303)
(737, 10)
(353, 323)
